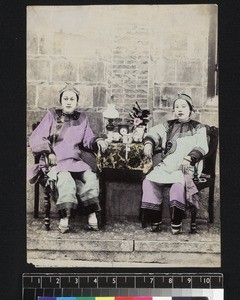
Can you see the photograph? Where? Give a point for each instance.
(122, 127)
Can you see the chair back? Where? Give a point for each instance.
(209, 160)
(36, 157)
(35, 125)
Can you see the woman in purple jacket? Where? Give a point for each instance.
(58, 136)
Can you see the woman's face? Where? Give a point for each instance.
(182, 110)
(69, 102)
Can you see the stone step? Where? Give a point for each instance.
(112, 259)
(124, 244)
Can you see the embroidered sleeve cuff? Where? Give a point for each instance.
(196, 155)
(41, 149)
(189, 160)
(93, 144)
(149, 140)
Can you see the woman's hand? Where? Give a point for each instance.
(52, 159)
(186, 164)
(148, 150)
(102, 145)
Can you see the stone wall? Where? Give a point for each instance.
(147, 57)
(136, 53)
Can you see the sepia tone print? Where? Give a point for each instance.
(121, 60)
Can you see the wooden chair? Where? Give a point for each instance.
(208, 176)
(49, 192)
(206, 180)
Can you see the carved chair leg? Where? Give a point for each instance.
(193, 228)
(210, 204)
(47, 206)
(36, 200)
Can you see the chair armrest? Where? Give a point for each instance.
(89, 158)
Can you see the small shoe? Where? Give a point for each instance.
(63, 225)
(63, 229)
(93, 227)
(176, 229)
(193, 229)
(155, 227)
(93, 222)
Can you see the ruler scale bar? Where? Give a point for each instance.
(155, 286)
(107, 281)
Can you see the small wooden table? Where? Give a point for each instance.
(121, 163)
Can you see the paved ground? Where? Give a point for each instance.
(122, 244)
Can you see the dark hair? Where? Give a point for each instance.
(60, 99)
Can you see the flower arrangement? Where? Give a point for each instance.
(139, 116)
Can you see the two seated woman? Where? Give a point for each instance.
(60, 133)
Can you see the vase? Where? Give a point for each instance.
(138, 133)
